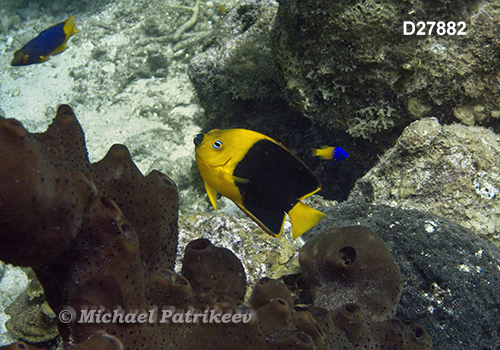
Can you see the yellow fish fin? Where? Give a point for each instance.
(325, 152)
(212, 194)
(239, 179)
(60, 49)
(43, 58)
(70, 27)
(303, 218)
(310, 194)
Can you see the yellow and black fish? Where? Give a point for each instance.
(262, 177)
(51, 41)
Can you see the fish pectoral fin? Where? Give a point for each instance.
(303, 217)
(43, 58)
(239, 179)
(212, 194)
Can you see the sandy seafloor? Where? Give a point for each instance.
(121, 76)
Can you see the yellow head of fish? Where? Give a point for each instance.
(217, 154)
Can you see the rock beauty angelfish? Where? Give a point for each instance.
(51, 41)
(263, 178)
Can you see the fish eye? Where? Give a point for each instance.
(217, 144)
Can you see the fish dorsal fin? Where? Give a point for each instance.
(212, 194)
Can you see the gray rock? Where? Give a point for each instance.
(348, 64)
(449, 170)
(451, 277)
(238, 65)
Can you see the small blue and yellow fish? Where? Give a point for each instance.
(51, 41)
(326, 152)
(262, 177)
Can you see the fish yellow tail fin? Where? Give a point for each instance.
(324, 152)
(303, 218)
(70, 27)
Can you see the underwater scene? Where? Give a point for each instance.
(249, 174)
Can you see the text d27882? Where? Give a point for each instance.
(433, 28)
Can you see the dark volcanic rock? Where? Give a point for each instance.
(451, 278)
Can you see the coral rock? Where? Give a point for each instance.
(369, 77)
(449, 170)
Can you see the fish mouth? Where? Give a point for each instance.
(211, 165)
(198, 139)
(222, 164)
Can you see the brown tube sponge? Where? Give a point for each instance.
(267, 289)
(275, 316)
(303, 321)
(149, 202)
(167, 288)
(393, 334)
(208, 267)
(352, 265)
(334, 337)
(98, 340)
(351, 321)
(44, 193)
(295, 341)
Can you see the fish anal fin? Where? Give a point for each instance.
(303, 217)
(59, 50)
(309, 194)
(212, 194)
(271, 222)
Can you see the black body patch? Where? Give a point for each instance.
(277, 179)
